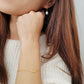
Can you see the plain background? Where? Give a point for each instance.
(79, 9)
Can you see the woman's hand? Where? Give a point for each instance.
(30, 24)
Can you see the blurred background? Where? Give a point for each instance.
(79, 8)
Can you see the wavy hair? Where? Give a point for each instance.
(62, 37)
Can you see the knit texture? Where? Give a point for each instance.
(53, 71)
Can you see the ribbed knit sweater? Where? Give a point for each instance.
(53, 71)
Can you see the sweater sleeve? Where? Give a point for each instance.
(55, 72)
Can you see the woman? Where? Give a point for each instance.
(40, 32)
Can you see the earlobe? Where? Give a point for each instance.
(49, 4)
(50, 1)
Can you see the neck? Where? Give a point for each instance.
(13, 28)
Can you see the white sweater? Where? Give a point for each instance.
(52, 71)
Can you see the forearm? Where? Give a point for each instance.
(29, 58)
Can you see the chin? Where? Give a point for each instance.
(15, 13)
(18, 12)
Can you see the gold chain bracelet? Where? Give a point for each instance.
(32, 70)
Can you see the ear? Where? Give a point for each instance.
(49, 4)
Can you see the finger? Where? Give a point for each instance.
(41, 13)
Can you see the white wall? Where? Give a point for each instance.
(79, 7)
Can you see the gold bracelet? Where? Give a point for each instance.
(32, 70)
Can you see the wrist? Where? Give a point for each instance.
(31, 38)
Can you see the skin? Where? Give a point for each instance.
(27, 11)
(20, 7)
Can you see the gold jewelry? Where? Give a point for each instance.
(32, 70)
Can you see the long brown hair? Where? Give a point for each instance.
(62, 37)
